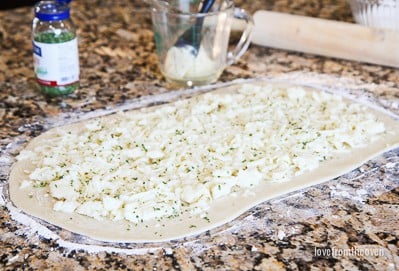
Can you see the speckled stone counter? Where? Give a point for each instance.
(294, 232)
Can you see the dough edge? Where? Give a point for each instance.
(221, 211)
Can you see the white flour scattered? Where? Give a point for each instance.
(2, 199)
(33, 228)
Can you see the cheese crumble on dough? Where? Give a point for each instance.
(179, 157)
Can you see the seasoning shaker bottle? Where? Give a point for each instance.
(55, 48)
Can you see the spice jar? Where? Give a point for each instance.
(55, 48)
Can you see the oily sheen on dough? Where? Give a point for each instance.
(222, 210)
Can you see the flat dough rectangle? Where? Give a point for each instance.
(221, 210)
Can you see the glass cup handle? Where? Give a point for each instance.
(245, 39)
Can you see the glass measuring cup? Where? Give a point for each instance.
(190, 64)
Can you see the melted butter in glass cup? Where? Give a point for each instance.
(183, 66)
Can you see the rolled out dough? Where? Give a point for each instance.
(222, 210)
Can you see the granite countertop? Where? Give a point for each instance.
(118, 63)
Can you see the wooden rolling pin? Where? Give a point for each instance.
(326, 38)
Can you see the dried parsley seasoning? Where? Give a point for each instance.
(55, 49)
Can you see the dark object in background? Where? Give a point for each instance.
(8, 4)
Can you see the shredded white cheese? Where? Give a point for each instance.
(177, 158)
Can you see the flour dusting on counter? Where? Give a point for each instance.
(32, 227)
(78, 228)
